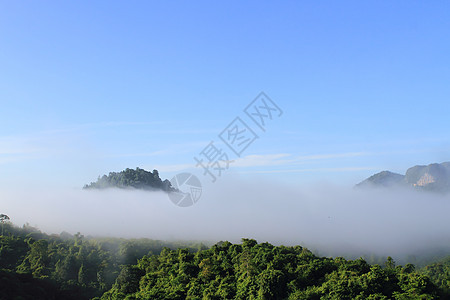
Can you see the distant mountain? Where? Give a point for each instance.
(385, 179)
(433, 177)
(129, 178)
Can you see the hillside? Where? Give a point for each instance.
(433, 177)
(384, 179)
(129, 178)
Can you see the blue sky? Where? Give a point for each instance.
(88, 88)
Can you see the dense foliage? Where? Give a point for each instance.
(263, 271)
(34, 265)
(129, 178)
(439, 273)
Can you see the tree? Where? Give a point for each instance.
(82, 276)
(390, 263)
(3, 218)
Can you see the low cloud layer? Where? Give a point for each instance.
(332, 219)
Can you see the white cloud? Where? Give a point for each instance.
(343, 169)
(16, 149)
(274, 160)
(289, 159)
(173, 168)
(263, 160)
(18, 146)
(330, 156)
(144, 154)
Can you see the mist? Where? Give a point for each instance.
(331, 219)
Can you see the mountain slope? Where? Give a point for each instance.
(384, 178)
(433, 177)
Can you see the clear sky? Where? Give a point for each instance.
(90, 87)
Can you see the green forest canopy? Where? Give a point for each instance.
(263, 271)
(34, 265)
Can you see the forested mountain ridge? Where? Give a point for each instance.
(129, 178)
(433, 177)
